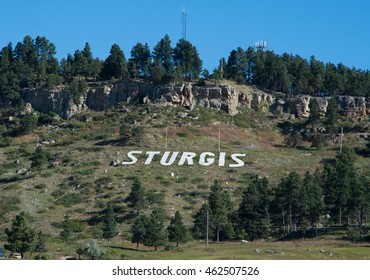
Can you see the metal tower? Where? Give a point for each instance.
(183, 24)
(260, 45)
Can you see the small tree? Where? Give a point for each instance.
(138, 230)
(27, 124)
(200, 223)
(110, 223)
(40, 245)
(39, 158)
(136, 198)
(21, 236)
(177, 232)
(92, 251)
(318, 141)
(67, 229)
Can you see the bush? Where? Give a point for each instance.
(355, 234)
(27, 124)
(71, 199)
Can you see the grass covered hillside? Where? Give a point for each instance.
(52, 168)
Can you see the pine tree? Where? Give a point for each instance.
(39, 158)
(314, 112)
(40, 246)
(236, 67)
(155, 234)
(67, 229)
(346, 174)
(288, 198)
(136, 198)
(254, 209)
(200, 223)
(140, 57)
(162, 57)
(110, 223)
(177, 232)
(138, 230)
(187, 60)
(115, 66)
(221, 210)
(314, 196)
(21, 236)
(332, 113)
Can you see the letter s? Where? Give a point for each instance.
(238, 161)
(132, 157)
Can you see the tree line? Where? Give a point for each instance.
(32, 63)
(292, 74)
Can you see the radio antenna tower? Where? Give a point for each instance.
(183, 24)
(260, 45)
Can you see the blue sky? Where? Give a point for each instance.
(333, 31)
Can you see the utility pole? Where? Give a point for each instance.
(219, 139)
(207, 229)
(341, 140)
(165, 145)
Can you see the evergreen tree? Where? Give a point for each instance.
(345, 180)
(136, 198)
(39, 158)
(115, 66)
(157, 72)
(155, 234)
(221, 210)
(236, 67)
(187, 60)
(332, 113)
(110, 223)
(314, 112)
(138, 230)
(253, 210)
(162, 56)
(313, 185)
(317, 69)
(288, 199)
(40, 246)
(27, 124)
(67, 229)
(200, 223)
(21, 236)
(177, 232)
(140, 57)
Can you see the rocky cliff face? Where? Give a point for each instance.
(222, 97)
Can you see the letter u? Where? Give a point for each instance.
(164, 160)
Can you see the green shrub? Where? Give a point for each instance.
(69, 200)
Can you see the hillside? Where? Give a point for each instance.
(83, 169)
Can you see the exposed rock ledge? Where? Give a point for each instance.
(223, 97)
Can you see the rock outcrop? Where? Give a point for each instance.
(102, 96)
(57, 100)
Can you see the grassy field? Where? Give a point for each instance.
(328, 248)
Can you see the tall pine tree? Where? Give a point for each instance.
(155, 234)
(253, 210)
